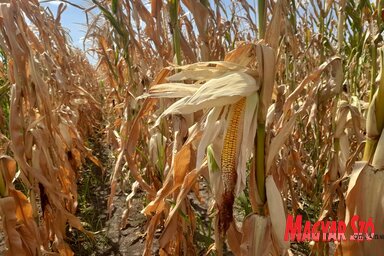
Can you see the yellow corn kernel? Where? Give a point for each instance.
(228, 166)
(229, 151)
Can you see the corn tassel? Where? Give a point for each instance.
(229, 164)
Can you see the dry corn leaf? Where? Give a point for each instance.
(13, 238)
(247, 139)
(217, 92)
(256, 240)
(24, 230)
(234, 238)
(200, 13)
(278, 141)
(272, 35)
(314, 76)
(157, 205)
(184, 162)
(188, 183)
(364, 199)
(212, 129)
(277, 214)
(176, 176)
(266, 58)
(171, 90)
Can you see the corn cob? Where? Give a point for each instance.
(228, 165)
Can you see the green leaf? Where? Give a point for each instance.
(212, 165)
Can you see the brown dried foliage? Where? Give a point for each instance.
(52, 109)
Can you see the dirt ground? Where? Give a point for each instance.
(109, 238)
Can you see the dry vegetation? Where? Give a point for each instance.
(215, 124)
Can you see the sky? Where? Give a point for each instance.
(73, 19)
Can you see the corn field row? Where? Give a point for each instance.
(222, 117)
